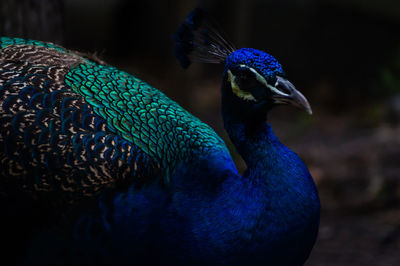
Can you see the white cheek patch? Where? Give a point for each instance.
(245, 95)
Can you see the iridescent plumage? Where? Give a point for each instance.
(149, 183)
(70, 124)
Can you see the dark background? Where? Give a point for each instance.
(344, 55)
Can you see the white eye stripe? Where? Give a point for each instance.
(263, 81)
(277, 91)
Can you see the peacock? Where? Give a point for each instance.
(98, 167)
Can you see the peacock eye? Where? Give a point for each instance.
(245, 79)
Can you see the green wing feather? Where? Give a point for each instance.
(143, 115)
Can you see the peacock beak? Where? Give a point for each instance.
(284, 92)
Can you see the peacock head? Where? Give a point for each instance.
(257, 79)
(254, 81)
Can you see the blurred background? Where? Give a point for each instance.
(344, 55)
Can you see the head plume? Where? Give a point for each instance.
(199, 39)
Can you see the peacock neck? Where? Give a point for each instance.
(285, 185)
(257, 144)
(249, 131)
(268, 161)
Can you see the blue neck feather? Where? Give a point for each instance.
(276, 180)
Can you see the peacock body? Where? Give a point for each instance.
(144, 181)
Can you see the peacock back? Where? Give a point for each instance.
(72, 124)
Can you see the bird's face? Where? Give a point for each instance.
(257, 80)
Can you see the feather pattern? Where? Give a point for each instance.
(144, 116)
(50, 137)
(72, 125)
